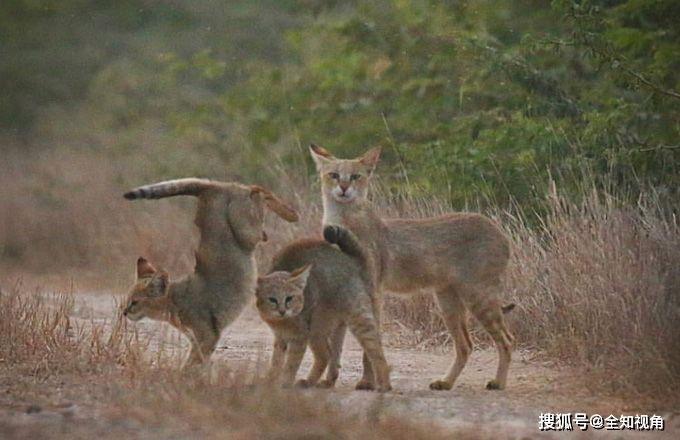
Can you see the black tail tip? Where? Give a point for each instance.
(130, 195)
(508, 308)
(332, 233)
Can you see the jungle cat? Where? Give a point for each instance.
(229, 217)
(461, 256)
(313, 293)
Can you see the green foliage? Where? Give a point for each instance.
(477, 100)
(472, 100)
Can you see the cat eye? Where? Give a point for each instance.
(334, 176)
(273, 301)
(288, 299)
(355, 177)
(134, 303)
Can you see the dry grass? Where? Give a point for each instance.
(102, 367)
(37, 330)
(597, 282)
(598, 285)
(63, 212)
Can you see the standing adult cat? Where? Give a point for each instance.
(461, 256)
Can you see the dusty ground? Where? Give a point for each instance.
(535, 386)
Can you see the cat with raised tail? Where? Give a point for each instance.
(230, 220)
(461, 256)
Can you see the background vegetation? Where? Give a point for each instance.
(561, 119)
(473, 100)
(74, 378)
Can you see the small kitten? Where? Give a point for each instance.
(314, 292)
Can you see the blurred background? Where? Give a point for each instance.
(475, 103)
(560, 119)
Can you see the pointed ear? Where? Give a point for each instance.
(320, 155)
(160, 282)
(299, 276)
(275, 204)
(144, 268)
(370, 158)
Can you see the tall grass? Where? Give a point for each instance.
(46, 353)
(63, 212)
(37, 330)
(598, 285)
(596, 280)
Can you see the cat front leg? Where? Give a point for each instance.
(295, 353)
(278, 358)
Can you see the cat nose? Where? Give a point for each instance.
(282, 312)
(344, 187)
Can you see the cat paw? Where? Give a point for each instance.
(332, 233)
(364, 385)
(303, 383)
(494, 385)
(326, 384)
(441, 385)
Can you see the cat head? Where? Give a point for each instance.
(148, 296)
(280, 295)
(344, 181)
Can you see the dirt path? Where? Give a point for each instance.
(534, 386)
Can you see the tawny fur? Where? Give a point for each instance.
(314, 292)
(461, 256)
(229, 217)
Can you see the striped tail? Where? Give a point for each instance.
(179, 187)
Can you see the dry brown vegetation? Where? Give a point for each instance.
(596, 282)
(63, 211)
(46, 356)
(104, 96)
(598, 286)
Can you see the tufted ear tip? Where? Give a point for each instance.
(371, 157)
(301, 270)
(300, 275)
(317, 151)
(144, 268)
